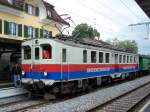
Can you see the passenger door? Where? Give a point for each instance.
(36, 59)
(64, 65)
(36, 54)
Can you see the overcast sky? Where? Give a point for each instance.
(110, 17)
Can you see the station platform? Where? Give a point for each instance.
(6, 84)
(11, 92)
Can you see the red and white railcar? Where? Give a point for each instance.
(52, 61)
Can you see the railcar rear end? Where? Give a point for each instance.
(144, 64)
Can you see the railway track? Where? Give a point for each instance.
(121, 98)
(126, 102)
(12, 95)
(22, 105)
(12, 100)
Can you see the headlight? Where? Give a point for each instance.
(23, 72)
(45, 73)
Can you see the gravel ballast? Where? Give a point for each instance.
(91, 100)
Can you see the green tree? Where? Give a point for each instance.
(129, 45)
(85, 31)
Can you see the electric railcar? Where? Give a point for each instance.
(61, 65)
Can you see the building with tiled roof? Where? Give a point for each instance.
(23, 19)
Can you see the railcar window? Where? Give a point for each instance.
(93, 56)
(107, 57)
(64, 55)
(116, 58)
(27, 52)
(84, 56)
(130, 59)
(120, 58)
(134, 59)
(101, 57)
(127, 59)
(124, 58)
(46, 51)
(112, 58)
(37, 53)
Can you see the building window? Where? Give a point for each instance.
(64, 55)
(11, 1)
(45, 34)
(30, 31)
(12, 28)
(30, 9)
(93, 56)
(27, 52)
(49, 13)
(107, 57)
(101, 57)
(84, 56)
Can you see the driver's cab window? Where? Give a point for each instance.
(46, 51)
(27, 52)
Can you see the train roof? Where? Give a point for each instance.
(86, 43)
(144, 56)
(89, 42)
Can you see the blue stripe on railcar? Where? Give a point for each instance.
(74, 75)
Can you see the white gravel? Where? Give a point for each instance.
(89, 101)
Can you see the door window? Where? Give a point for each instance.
(37, 53)
(64, 55)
